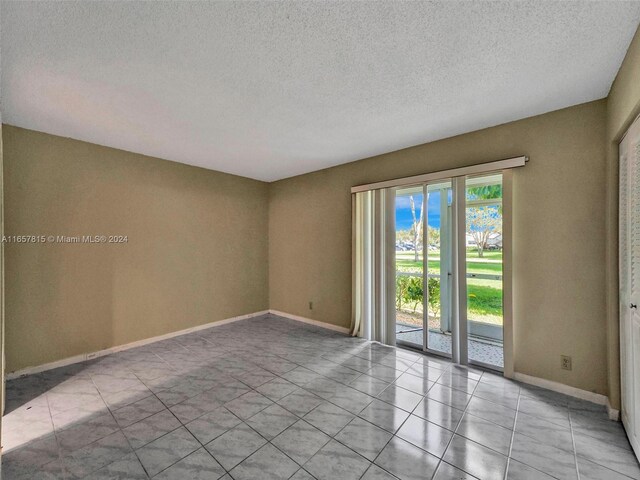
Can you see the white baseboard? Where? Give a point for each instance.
(521, 377)
(562, 388)
(613, 413)
(119, 348)
(310, 321)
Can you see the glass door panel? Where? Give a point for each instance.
(409, 266)
(483, 211)
(438, 252)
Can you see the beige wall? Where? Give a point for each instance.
(558, 224)
(623, 105)
(197, 249)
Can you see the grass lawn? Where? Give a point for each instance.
(491, 263)
(484, 296)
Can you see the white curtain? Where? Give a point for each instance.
(373, 218)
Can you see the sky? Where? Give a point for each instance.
(404, 220)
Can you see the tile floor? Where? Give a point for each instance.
(270, 398)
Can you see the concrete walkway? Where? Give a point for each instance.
(479, 350)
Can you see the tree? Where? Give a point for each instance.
(486, 192)
(433, 236)
(482, 222)
(404, 236)
(416, 227)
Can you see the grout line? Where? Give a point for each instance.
(393, 435)
(573, 443)
(119, 429)
(513, 433)
(55, 434)
(182, 425)
(356, 416)
(464, 412)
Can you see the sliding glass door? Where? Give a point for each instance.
(423, 259)
(448, 268)
(484, 253)
(409, 213)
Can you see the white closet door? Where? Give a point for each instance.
(625, 328)
(633, 156)
(630, 282)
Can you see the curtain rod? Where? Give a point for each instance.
(455, 172)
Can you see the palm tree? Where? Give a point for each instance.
(416, 227)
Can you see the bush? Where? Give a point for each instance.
(433, 288)
(401, 286)
(410, 291)
(414, 292)
(483, 301)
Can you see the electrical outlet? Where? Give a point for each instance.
(310, 305)
(565, 362)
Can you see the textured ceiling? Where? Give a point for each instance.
(274, 89)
